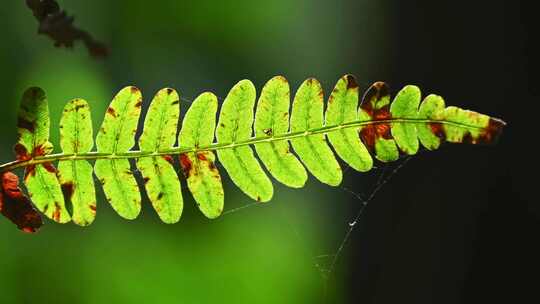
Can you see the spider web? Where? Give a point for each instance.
(325, 264)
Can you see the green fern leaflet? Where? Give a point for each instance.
(252, 140)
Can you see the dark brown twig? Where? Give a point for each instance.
(55, 23)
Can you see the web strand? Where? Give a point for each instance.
(383, 180)
(234, 210)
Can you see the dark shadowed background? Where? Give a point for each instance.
(453, 226)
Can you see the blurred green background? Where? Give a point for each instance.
(261, 254)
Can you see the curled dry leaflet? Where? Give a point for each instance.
(289, 145)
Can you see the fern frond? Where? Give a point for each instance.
(380, 127)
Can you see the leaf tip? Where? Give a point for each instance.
(34, 92)
(279, 78)
(492, 132)
(350, 81)
(376, 91)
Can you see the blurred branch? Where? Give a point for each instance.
(55, 23)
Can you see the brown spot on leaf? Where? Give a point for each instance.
(185, 163)
(370, 133)
(68, 189)
(39, 151)
(467, 138)
(489, 134)
(111, 111)
(138, 104)
(168, 158)
(35, 92)
(146, 180)
(268, 131)
(56, 212)
(492, 132)
(134, 90)
(23, 123)
(376, 92)
(351, 82)
(331, 98)
(169, 91)
(29, 172)
(201, 156)
(175, 102)
(78, 107)
(16, 206)
(320, 94)
(92, 208)
(49, 167)
(368, 136)
(211, 166)
(160, 195)
(258, 198)
(21, 152)
(438, 130)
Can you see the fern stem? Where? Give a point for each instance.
(216, 146)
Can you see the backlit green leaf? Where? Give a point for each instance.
(479, 127)
(431, 108)
(405, 105)
(117, 136)
(234, 125)
(271, 119)
(33, 128)
(161, 182)
(76, 137)
(203, 178)
(313, 150)
(342, 105)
